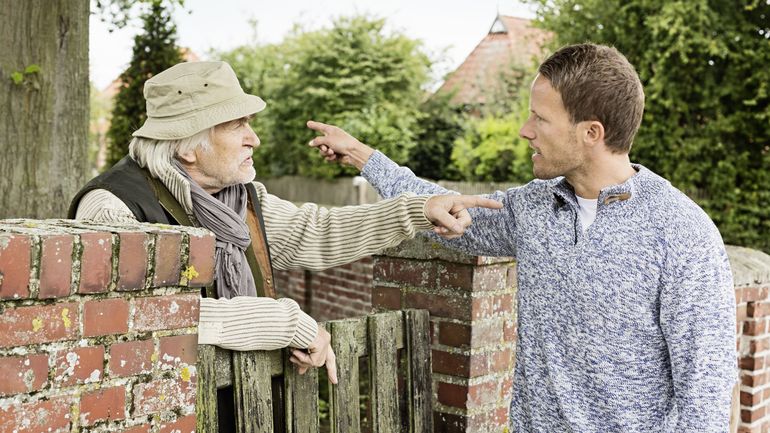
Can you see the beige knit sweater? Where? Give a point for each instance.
(307, 237)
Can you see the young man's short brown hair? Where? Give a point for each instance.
(597, 82)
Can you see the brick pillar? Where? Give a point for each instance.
(751, 275)
(471, 302)
(98, 325)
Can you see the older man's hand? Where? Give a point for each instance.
(450, 215)
(318, 353)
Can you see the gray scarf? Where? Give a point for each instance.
(224, 213)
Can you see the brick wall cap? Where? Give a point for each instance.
(63, 226)
(750, 267)
(423, 248)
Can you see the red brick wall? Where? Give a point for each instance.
(336, 293)
(98, 326)
(753, 343)
(473, 328)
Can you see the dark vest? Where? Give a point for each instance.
(150, 201)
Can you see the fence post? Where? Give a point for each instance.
(472, 319)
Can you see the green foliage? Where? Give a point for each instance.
(17, 77)
(440, 127)
(32, 69)
(491, 149)
(99, 114)
(27, 76)
(155, 50)
(119, 12)
(704, 68)
(353, 74)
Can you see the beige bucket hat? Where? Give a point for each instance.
(190, 97)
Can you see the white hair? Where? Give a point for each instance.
(156, 155)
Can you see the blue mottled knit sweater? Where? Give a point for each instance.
(628, 327)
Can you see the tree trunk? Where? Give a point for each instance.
(43, 113)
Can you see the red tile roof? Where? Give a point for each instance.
(510, 39)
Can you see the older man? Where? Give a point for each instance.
(190, 163)
(626, 311)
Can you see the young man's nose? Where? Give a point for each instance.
(526, 131)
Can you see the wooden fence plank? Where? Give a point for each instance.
(378, 337)
(383, 371)
(419, 382)
(301, 398)
(206, 404)
(344, 397)
(253, 392)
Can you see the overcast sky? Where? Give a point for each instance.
(449, 29)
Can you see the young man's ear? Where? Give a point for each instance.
(592, 132)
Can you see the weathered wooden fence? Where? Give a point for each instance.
(270, 396)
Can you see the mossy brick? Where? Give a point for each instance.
(168, 250)
(24, 373)
(56, 266)
(131, 358)
(105, 317)
(36, 324)
(202, 249)
(451, 307)
(50, 416)
(180, 425)
(132, 260)
(407, 273)
(79, 365)
(155, 313)
(103, 404)
(492, 305)
(423, 248)
(15, 258)
(451, 394)
(386, 298)
(454, 334)
(140, 428)
(178, 349)
(95, 262)
(161, 395)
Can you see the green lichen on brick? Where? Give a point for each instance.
(189, 273)
(37, 324)
(186, 374)
(65, 317)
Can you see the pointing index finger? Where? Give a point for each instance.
(318, 126)
(476, 201)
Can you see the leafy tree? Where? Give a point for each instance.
(491, 149)
(155, 50)
(703, 64)
(441, 125)
(44, 100)
(353, 74)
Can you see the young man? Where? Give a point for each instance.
(626, 309)
(190, 163)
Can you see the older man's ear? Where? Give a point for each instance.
(187, 157)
